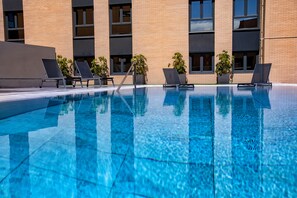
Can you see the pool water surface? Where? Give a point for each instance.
(152, 142)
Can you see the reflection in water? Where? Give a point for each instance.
(223, 100)
(175, 98)
(202, 143)
(246, 138)
(85, 134)
(140, 101)
(261, 98)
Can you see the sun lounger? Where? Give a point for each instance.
(86, 74)
(172, 79)
(260, 76)
(53, 72)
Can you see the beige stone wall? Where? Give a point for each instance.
(102, 45)
(280, 42)
(49, 23)
(101, 29)
(160, 28)
(223, 26)
(2, 36)
(242, 78)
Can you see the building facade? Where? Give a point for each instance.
(251, 30)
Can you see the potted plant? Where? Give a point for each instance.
(179, 65)
(100, 68)
(224, 68)
(66, 66)
(141, 68)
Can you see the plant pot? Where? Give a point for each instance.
(182, 78)
(96, 82)
(140, 79)
(223, 79)
(68, 81)
(103, 82)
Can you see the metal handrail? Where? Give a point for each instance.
(121, 84)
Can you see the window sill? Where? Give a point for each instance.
(120, 35)
(206, 72)
(202, 32)
(243, 71)
(83, 37)
(120, 74)
(16, 40)
(246, 29)
(12, 29)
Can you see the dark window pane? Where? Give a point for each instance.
(201, 25)
(14, 20)
(207, 9)
(251, 22)
(239, 8)
(121, 64)
(85, 31)
(10, 20)
(79, 17)
(16, 34)
(196, 62)
(127, 65)
(252, 7)
(122, 29)
(207, 62)
(238, 61)
(251, 60)
(195, 10)
(89, 16)
(127, 13)
(116, 65)
(89, 59)
(116, 14)
(20, 20)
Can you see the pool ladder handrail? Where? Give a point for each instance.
(122, 82)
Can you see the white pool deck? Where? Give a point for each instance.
(11, 94)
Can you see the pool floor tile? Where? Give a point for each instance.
(161, 179)
(6, 166)
(78, 162)
(29, 181)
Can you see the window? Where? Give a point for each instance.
(120, 64)
(14, 24)
(245, 61)
(201, 15)
(201, 63)
(89, 59)
(83, 22)
(121, 19)
(245, 14)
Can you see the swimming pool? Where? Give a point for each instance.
(152, 142)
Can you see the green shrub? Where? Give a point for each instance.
(179, 63)
(99, 66)
(66, 65)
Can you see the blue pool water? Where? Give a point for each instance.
(151, 142)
